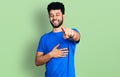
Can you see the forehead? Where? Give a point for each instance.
(55, 11)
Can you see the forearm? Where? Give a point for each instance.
(40, 60)
(55, 53)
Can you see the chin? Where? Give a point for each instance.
(56, 25)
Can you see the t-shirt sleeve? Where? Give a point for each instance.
(41, 47)
(78, 32)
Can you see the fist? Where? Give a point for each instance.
(67, 33)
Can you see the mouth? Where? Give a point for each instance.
(55, 22)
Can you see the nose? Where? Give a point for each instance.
(54, 17)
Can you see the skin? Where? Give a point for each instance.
(56, 17)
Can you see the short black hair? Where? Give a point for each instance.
(56, 6)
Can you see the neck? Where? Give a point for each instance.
(57, 29)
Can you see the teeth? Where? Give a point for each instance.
(55, 21)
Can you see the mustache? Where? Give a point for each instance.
(54, 20)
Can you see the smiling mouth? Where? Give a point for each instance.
(55, 21)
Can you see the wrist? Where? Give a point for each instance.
(50, 54)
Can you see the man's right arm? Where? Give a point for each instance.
(55, 53)
(41, 58)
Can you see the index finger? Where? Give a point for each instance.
(63, 30)
(57, 46)
(64, 49)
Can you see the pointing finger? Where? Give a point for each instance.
(63, 30)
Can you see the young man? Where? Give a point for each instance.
(56, 49)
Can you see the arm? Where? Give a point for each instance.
(41, 58)
(55, 53)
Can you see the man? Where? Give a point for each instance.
(56, 49)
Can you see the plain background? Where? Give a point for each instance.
(22, 22)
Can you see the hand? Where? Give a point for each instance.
(67, 33)
(55, 53)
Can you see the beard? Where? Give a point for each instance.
(56, 26)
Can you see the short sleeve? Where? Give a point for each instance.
(41, 45)
(78, 32)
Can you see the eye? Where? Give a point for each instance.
(58, 14)
(51, 15)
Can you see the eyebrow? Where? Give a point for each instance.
(56, 13)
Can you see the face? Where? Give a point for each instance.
(56, 18)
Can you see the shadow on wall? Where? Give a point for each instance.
(41, 19)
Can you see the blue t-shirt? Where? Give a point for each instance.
(58, 67)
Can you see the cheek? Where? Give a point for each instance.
(60, 18)
(50, 18)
